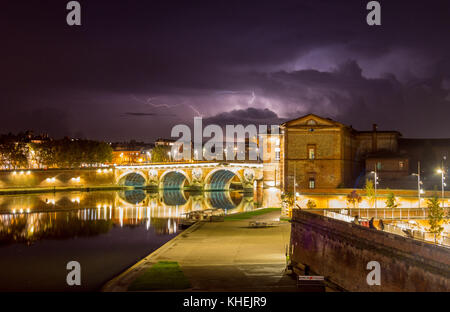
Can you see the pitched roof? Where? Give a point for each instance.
(317, 119)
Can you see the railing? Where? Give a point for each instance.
(193, 164)
(382, 213)
(417, 234)
(426, 237)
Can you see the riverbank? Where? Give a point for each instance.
(55, 189)
(224, 256)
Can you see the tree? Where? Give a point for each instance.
(353, 198)
(311, 204)
(435, 216)
(391, 201)
(71, 153)
(370, 192)
(102, 152)
(160, 154)
(43, 153)
(287, 201)
(14, 154)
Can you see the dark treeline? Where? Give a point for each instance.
(22, 151)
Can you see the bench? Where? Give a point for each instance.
(256, 224)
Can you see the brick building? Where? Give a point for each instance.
(323, 153)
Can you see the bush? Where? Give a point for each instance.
(311, 204)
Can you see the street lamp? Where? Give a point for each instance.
(375, 183)
(419, 182)
(295, 185)
(443, 185)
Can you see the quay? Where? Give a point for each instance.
(224, 256)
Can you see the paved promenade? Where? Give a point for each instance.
(224, 256)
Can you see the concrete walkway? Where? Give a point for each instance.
(224, 256)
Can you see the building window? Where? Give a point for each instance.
(277, 153)
(379, 165)
(312, 183)
(401, 164)
(311, 152)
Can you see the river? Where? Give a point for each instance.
(105, 231)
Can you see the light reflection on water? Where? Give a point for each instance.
(106, 231)
(29, 218)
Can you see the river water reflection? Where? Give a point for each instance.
(106, 231)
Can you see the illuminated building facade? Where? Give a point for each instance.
(322, 153)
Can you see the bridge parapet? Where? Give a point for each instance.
(198, 175)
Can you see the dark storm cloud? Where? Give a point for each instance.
(54, 121)
(345, 95)
(183, 59)
(247, 116)
(140, 114)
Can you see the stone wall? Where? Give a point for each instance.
(340, 251)
(55, 178)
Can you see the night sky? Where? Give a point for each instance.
(136, 68)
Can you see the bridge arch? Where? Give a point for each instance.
(224, 200)
(132, 178)
(173, 197)
(132, 197)
(221, 178)
(174, 179)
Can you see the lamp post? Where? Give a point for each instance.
(419, 182)
(375, 187)
(295, 184)
(442, 172)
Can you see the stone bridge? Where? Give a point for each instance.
(206, 176)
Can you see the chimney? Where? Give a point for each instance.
(374, 138)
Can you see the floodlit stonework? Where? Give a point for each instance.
(323, 153)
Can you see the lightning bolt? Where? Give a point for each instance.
(252, 99)
(149, 100)
(196, 111)
(252, 94)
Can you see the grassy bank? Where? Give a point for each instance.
(249, 214)
(164, 275)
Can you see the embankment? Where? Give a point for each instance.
(341, 251)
